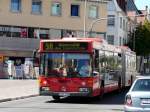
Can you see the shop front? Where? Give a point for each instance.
(19, 66)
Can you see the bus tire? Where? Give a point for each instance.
(56, 97)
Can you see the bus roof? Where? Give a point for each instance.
(74, 39)
(98, 43)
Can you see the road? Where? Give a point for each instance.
(112, 102)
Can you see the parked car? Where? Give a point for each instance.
(138, 97)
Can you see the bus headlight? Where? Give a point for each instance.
(45, 88)
(84, 89)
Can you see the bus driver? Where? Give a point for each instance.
(85, 69)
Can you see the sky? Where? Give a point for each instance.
(142, 3)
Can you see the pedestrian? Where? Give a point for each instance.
(63, 70)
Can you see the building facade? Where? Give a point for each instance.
(144, 16)
(133, 14)
(117, 22)
(24, 22)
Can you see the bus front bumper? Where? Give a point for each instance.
(44, 92)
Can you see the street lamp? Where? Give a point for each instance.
(99, 19)
(93, 23)
(85, 11)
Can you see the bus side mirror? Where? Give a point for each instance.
(95, 73)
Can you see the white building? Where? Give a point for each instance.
(117, 22)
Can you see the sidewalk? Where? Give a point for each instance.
(17, 89)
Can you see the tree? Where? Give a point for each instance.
(141, 38)
(140, 43)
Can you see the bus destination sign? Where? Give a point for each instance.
(65, 46)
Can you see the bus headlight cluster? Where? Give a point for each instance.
(45, 88)
(84, 89)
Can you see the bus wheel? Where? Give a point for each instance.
(56, 97)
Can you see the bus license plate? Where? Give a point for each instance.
(64, 94)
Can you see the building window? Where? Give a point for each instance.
(56, 9)
(124, 25)
(44, 33)
(93, 11)
(13, 31)
(36, 6)
(111, 20)
(75, 10)
(120, 22)
(120, 41)
(124, 41)
(55, 33)
(69, 33)
(110, 39)
(15, 5)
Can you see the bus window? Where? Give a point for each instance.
(102, 61)
(42, 64)
(109, 63)
(96, 61)
(109, 60)
(64, 64)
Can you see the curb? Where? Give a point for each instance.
(17, 98)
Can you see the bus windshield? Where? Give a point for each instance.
(65, 65)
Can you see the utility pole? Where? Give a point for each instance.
(84, 27)
(134, 39)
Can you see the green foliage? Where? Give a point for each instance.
(141, 39)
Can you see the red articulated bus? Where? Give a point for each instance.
(62, 70)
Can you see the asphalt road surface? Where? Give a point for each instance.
(112, 102)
